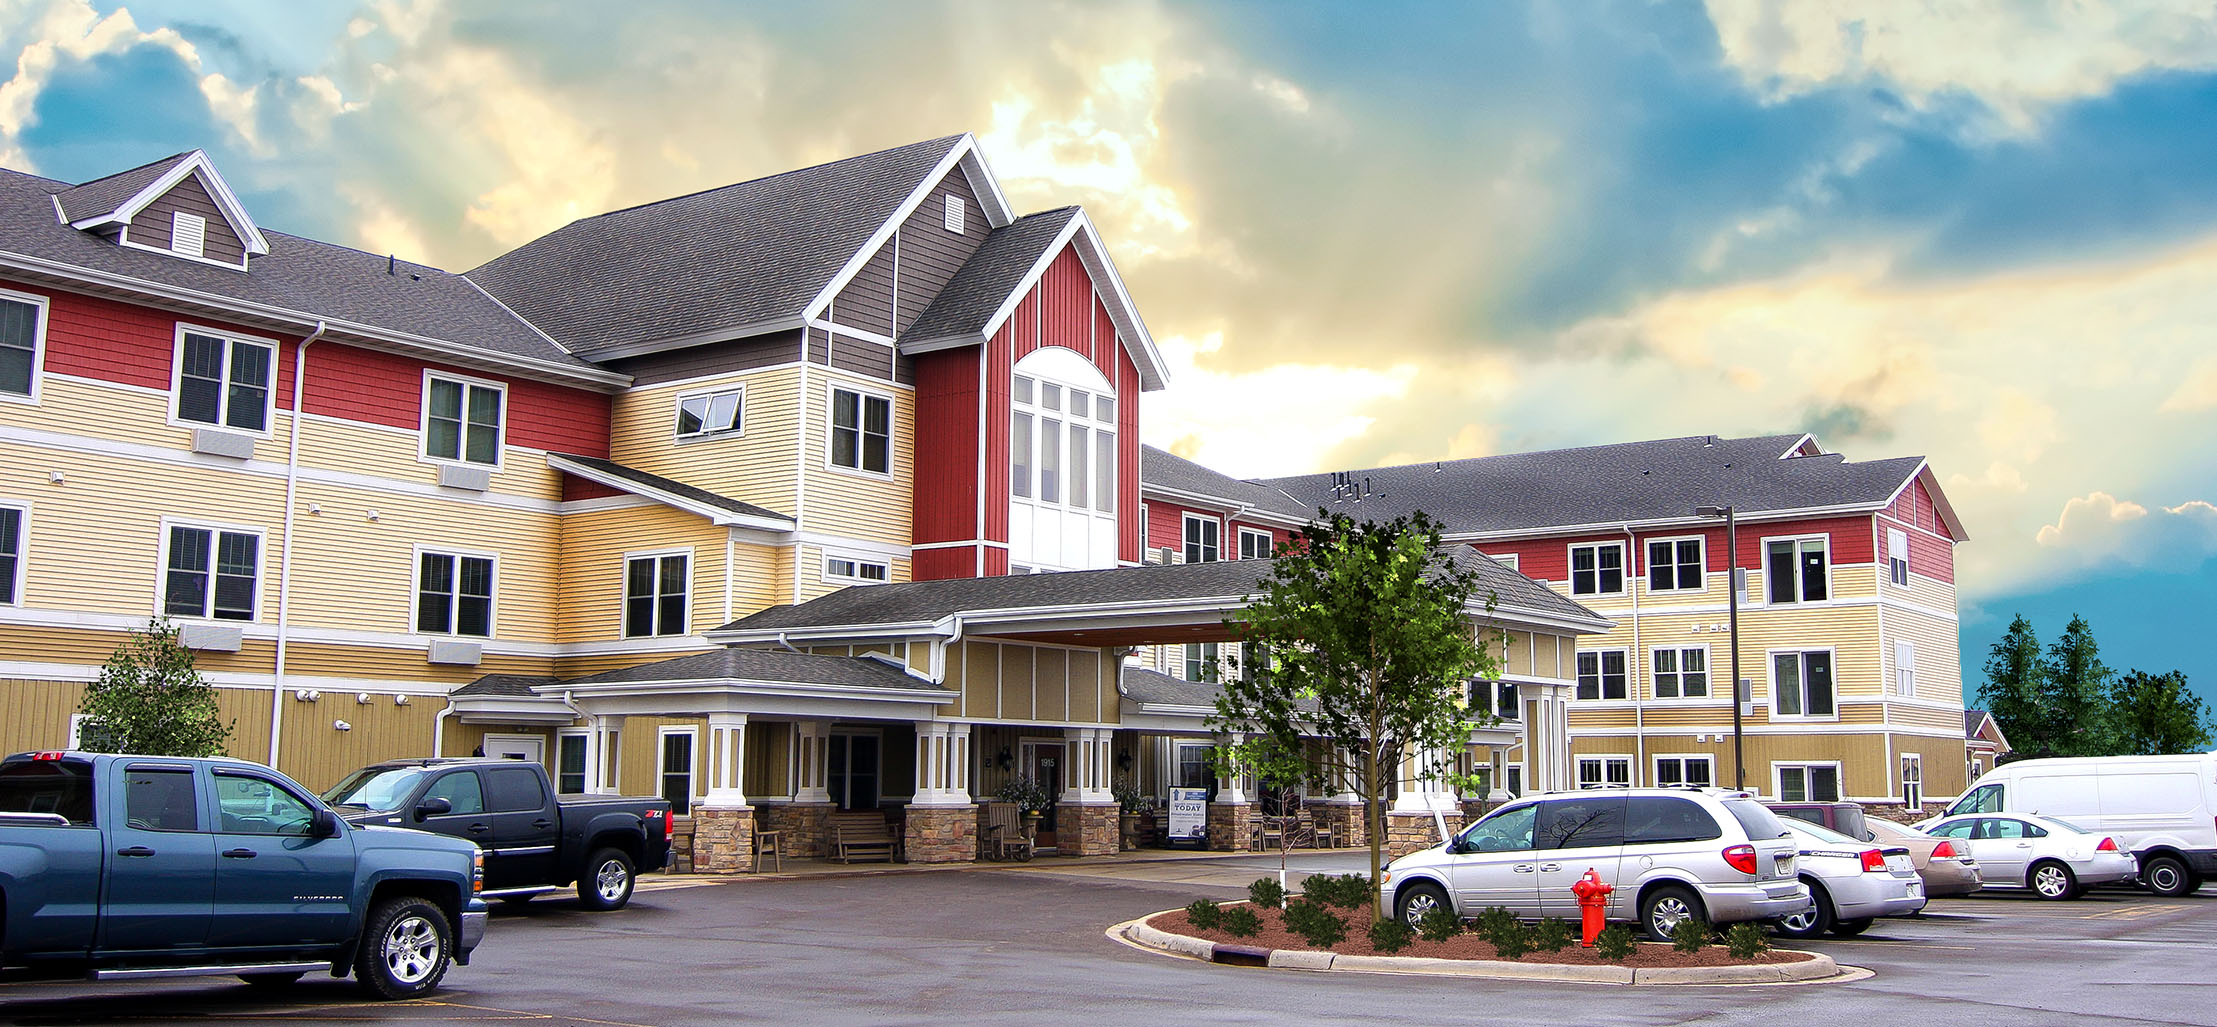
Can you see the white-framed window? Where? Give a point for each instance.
(1062, 442)
(572, 751)
(1977, 767)
(955, 212)
(1675, 565)
(223, 380)
(1254, 544)
(462, 418)
(210, 571)
(1689, 771)
(861, 436)
(1193, 765)
(1200, 661)
(1681, 672)
(22, 344)
(188, 233)
(1497, 697)
(656, 588)
(1601, 674)
(1203, 537)
(675, 767)
(1604, 771)
(853, 568)
(1796, 569)
(1508, 560)
(1512, 779)
(454, 593)
(1807, 782)
(1912, 780)
(1143, 532)
(1905, 669)
(1801, 684)
(703, 415)
(1597, 569)
(1897, 556)
(15, 533)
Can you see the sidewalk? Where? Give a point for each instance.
(817, 868)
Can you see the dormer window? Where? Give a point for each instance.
(188, 234)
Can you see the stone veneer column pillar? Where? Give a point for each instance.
(1410, 824)
(723, 824)
(1085, 812)
(1342, 805)
(804, 824)
(942, 822)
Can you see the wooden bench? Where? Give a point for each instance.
(862, 836)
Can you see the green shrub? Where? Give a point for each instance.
(1439, 925)
(1205, 914)
(1317, 925)
(1511, 941)
(1267, 893)
(1347, 891)
(1389, 935)
(1242, 922)
(1553, 934)
(1747, 940)
(1615, 943)
(1494, 920)
(1690, 936)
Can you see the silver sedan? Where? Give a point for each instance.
(1850, 882)
(2055, 859)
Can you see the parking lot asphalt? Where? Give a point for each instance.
(993, 945)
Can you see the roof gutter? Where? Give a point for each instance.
(285, 550)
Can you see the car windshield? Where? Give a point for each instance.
(1757, 818)
(375, 788)
(1890, 831)
(1822, 834)
(2064, 826)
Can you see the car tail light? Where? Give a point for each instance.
(46, 756)
(1944, 850)
(1741, 858)
(1874, 861)
(2107, 845)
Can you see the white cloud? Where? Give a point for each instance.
(72, 31)
(2197, 389)
(1268, 422)
(2099, 529)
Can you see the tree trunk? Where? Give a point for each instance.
(1374, 818)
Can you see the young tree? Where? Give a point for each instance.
(1371, 639)
(2011, 691)
(150, 700)
(2155, 714)
(2074, 693)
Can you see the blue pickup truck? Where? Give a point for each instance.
(127, 867)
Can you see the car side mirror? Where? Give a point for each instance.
(324, 824)
(433, 807)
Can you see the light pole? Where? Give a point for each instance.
(1732, 604)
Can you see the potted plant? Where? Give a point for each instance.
(1132, 806)
(1029, 796)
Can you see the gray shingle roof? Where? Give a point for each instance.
(103, 195)
(299, 275)
(672, 486)
(767, 665)
(1158, 689)
(722, 259)
(1230, 580)
(1160, 468)
(987, 279)
(1632, 481)
(506, 685)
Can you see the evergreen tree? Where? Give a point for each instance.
(2155, 714)
(2011, 691)
(149, 700)
(2074, 693)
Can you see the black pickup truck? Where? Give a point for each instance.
(534, 840)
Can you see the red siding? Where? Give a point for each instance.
(575, 488)
(998, 408)
(941, 564)
(946, 503)
(1126, 378)
(110, 341)
(1931, 557)
(996, 563)
(1548, 559)
(385, 388)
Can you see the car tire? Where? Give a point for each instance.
(2051, 880)
(607, 881)
(1811, 922)
(271, 980)
(407, 945)
(1418, 899)
(2167, 876)
(1665, 908)
(1851, 928)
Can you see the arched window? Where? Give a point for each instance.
(1062, 463)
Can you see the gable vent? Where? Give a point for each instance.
(188, 234)
(954, 214)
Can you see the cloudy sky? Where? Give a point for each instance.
(1377, 233)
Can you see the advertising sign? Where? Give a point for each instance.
(1189, 814)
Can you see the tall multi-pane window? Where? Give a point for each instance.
(1796, 569)
(1801, 684)
(211, 573)
(1674, 565)
(654, 594)
(1597, 569)
(1062, 445)
(569, 764)
(22, 329)
(11, 554)
(1905, 668)
(1601, 674)
(1200, 661)
(677, 769)
(461, 420)
(454, 594)
(1203, 537)
(223, 382)
(861, 431)
(1912, 780)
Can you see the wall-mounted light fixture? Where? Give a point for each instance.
(342, 725)
(1003, 760)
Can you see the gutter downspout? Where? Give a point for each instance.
(285, 551)
(438, 730)
(1639, 708)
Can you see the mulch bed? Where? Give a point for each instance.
(1274, 935)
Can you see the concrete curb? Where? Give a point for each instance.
(1817, 969)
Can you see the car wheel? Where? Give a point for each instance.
(1812, 921)
(1851, 928)
(271, 980)
(406, 947)
(1419, 899)
(2167, 876)
(1665, 909)
(2052, 880)
(607, 881)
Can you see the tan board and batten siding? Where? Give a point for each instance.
(1033, 683)
(153, 226)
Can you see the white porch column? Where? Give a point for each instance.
(727, 761)
(1422, 791)
(603, 755)
(1343, 777)
(1088, 758)
(1238, 786)
(942, 764)
(811, 758)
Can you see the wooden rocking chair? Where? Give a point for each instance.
(1006, 837)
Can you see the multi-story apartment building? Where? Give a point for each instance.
(728, 496)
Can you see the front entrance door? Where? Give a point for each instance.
(1043, 763)
(529, 748)
(852, 770)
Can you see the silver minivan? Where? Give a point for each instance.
(1671, 854)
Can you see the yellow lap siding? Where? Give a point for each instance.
(593, 567)
(757, 465)
(1851, 632)
(854, 503)
(353, 572)
(1866, 770)
(1938, 660)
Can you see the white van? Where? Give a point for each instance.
(2162, 808)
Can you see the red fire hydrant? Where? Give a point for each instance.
(1593, 897)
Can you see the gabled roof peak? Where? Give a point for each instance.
(116, 199)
